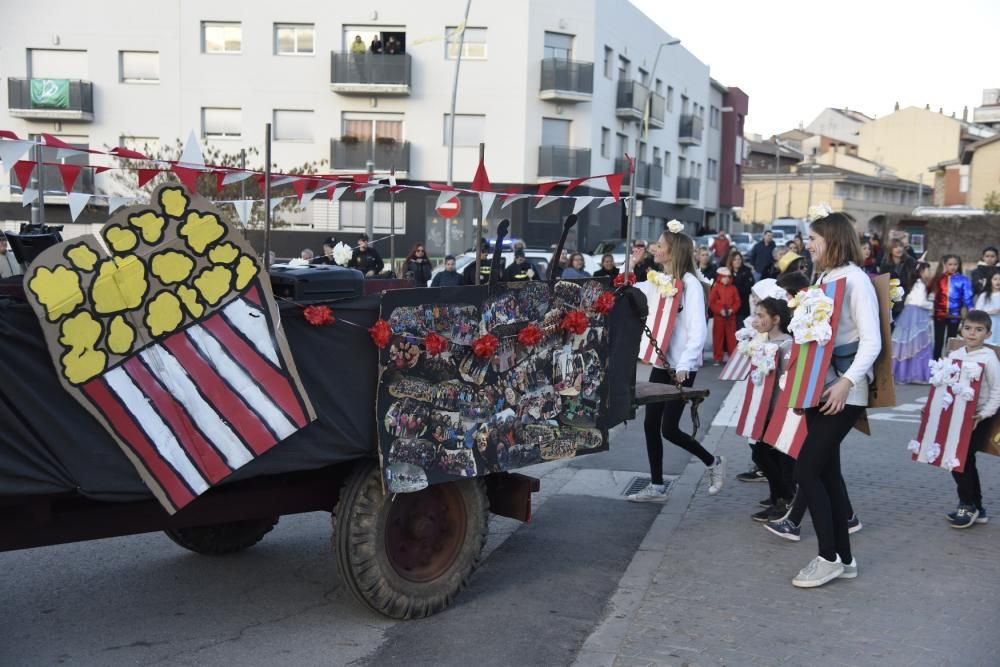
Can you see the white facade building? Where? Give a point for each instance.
(547, 85)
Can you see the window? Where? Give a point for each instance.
(146, 145)
(684, 105)
(49, 177)
(474, 47)
(713, 169)
(657, 160)
(57, 64)
(621, 146)
(666, 163)
(221, 37)
(623, 67)
(558, 45)
(352, 216)
(139, 66)
(713, 117)
(555, 132)
(605, 142)
(644, 77)
(470, 129)
(373, 127)
(609, 58)
(963, 178)
(670, 98)
(294, 39)
(658, 87)
(217, 123)
(293, 125)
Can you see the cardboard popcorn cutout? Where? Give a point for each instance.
(172, 341)
(946, 421)
(664, 295)
(760, 389)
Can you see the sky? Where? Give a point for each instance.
(796, 58)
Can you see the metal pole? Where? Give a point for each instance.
(812, 168)
(392, 225)
(631, 220)
(479, 221)
(777, 163)
(370, 204)
(38, 206)
(243, 182)
(267, 197)
(451, 127)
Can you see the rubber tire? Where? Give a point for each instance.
(223, 538)
(359, 545)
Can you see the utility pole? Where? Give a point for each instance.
(812, 168)
(392, 225)
(480, 220)
(243, 183)
(777, 165)
(38, 206)
(370, 203)
(451, 124)
(631, 219)
(267, 197)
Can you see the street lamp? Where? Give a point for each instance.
(652, 77)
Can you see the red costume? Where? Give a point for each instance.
(723, 298)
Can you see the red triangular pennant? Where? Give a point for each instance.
(544, 188)
(189, 177)
(575, 182)
(260, 181)
(615, 185)
(481, 181)
(220, 176)
(146, 175)
(23, 169)
(299, 185)
(69, 173)
(56, 142)
(101, 170)
(7, 134)
(128, 153)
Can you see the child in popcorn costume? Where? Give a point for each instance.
(976, 329)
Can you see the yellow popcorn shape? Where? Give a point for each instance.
(213, 284)
(224, 253)
(121, 336)
(150, 224)
(57, 289)
(120, 239)
(82, 257)
(245, 271)
(82, 362)
(189, 298)
(174, 201)
(120, 285)
(201, 230)
(171, 266)
(163, 314)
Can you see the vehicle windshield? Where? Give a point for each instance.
(741, 238)
(614, 247)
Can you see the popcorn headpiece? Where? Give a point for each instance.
(675, 226)
(820, 210)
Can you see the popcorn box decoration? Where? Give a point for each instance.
(946, 421)
(738, 366)
(814, 329)
(786, 431)
(663, 294)
(172, 341)
(760, 389)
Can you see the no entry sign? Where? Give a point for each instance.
(450, 208)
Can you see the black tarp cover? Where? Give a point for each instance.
(50, 444)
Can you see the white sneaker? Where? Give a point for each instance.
(652, 493)
(818, 572)
(850, 570)
(717, 475)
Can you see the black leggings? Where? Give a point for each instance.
(970, 492)
(778, 468)
(665, 419)
(799, 506)
(817, 472)
(941, 327)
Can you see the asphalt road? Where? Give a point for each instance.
(143, 600)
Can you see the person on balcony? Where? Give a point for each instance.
(393, 47)
(376, 45)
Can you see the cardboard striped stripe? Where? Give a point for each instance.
(810, 361)
(948, 427)
(786, 431)
(756, 404)
(737, 368)
(661, 320)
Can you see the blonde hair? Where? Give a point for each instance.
(681, 249)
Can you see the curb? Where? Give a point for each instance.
(602, 646)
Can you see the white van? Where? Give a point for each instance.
(790, 227)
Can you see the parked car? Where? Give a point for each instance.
(742, 241)
(616, 247)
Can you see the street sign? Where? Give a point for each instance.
(450, 208)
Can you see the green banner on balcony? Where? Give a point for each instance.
(50, 93)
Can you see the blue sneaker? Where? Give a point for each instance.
(981, 519)
(965, 517)
(854, 524)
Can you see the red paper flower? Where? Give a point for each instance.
(435, 344)
(620, 279)
(319, 316)
(485, 346)
(604, 303)
(529, 336)
(575, 321)
(380, 333)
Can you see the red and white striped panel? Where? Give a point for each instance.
(756, 405)
(203, 402)
(737, 368)
(787, 431)
(661, 320)
(946, 422)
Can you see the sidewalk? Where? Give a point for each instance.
(708, 586)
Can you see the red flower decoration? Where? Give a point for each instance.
(435, 344)
(485, 346)
(380, 333)
(529, 336)
(604, 303)
(575, 321)
(319, 316)
(620, 279)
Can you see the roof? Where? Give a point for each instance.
(856, 116)
(838, 173)
(972, 148)
(768, 148)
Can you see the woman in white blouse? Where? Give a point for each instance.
(836, 252)
(674, 251)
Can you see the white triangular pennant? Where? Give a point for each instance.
(444, 198)
(511, 199)
(605, 201)
(243, 208)
(115, 203)
(548, 199)
(274, 202)
(581, 203)
(12, 151)
(308, 196)
(236, 177)
(77, 201)
(487, 199)
(28, 196)
(192, 156)
(338, 192)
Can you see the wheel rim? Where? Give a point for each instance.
(425, 531)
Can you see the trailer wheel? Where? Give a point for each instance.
(407, 556)
(223, 538)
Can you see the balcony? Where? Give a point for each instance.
(631, 100)
(370, 73)
(51, 99)
(353, 155)
(688, 191)
(690, 130)
(567, 81)
(657, 110)
(648, 177)
(563, 162)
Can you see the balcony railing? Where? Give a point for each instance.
(690, 130)
(648, 177)
(364, 74)
(566, 80)
(563, 162)
(631, 99)
(51, 99)
(654, 178)
(657, 110)
(52, 180)
(354, 154)
(688, 190)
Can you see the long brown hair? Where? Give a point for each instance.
(940, 268)
(681, 249)
(842, 242)
(413, 251)
(729, 260)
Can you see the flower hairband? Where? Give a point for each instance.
(675, 226)
(820, 210)
(778, 293)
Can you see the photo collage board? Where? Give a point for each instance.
(456, 414)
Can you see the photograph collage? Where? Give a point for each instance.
(455, 414)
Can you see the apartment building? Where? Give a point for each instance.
(553, 88)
